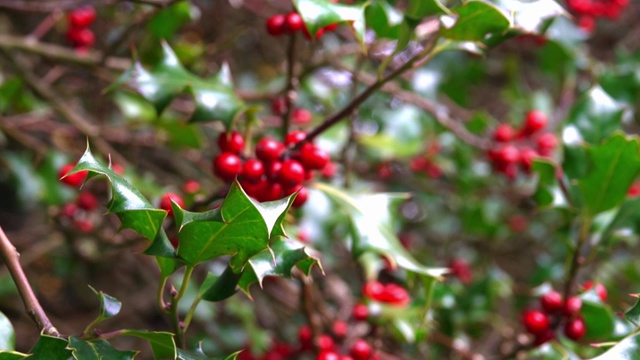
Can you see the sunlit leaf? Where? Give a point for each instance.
(473, 21)
(162, 343)
(317, 14)
(97, 350)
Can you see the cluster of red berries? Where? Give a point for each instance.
(290, 23)
(273, 173)
(555, 311)
(78, 213)
(326, 345)
(390, 293)
(425, 162)
(588, 10)
(515, 151)
(78, 32)
(299, 116)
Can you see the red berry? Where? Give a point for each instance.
(294, 137)
(329, 171)
(254, 189)
(83, 225)
(252, 170)
(301, 116)
(460, 269)
(82, 17)
(81, 37)
(517, 223)
(535, 321)
(227, 166)
(328, 355)
(87, 201)
(231, 143)
(73, 180)
(373, 289)
(551, 302)
(600, 290)
(361, 350)
(269, 150)
(279, 105)
(572, 306)
(508, 154)
(504, 133)
(69, 210)
(174, 241)
(305, 336)
(526, 158)
(340, 329)
(535, 120)
(360, 312)
(325, 343)
(276, 25)
(272, 170)
(272, 192)
(292, 172)
(331, 27)
(191, 187)
(313, 158)
(165, 202)
(301, 198)
(546, 143)
(395, 295)
(575, 329)
(293, 22)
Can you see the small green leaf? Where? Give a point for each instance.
(214, 98)
(241, 227)
(384, 19)
(627, 349)
(109, 306)
(614, 166)
(7, 334)
(282, 256)
(169, 20)
(596, 115)
(162, 343)
(547, 191)
(475, 20)
(371, 231)
(320, 13)
(50, 348)
(419, 9)
(97, 350)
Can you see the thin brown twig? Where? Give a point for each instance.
(10, 257)
(290, 86)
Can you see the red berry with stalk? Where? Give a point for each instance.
(551, 302)
(575, 329)
(293, 22)
(504, 133)
(572, 306)
(81, 17)
(535, 120)
(276, 25)
(360, 312)
(361, 350)
(231, 142)
(313, 158)
(87, 201)
(535, 321)
(292, 173)
(252, 170)
(269, 150)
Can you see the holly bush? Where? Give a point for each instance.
(317, 179)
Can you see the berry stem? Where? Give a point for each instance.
(291, 84)
(574, 266)
(175, 316)
(10, 256)
(423, 57)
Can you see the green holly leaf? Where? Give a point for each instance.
(132, 208)
(627, 349)
(614, 166)
(7, 334)
(384, 19)
(531, 16)
(368, 217)
(162, 343)
(420, 9)
(214, 98)
(109, 307)
(547, 190)
(200, 355)
(473, 21)
(627, 217)
(317, 14)
(241, 227)
(50, 348)
(97, 350)
(282, 256)
(218, 288)
(633, 314)
(596, 115)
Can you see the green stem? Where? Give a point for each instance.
(161, 304)
(574, 266)
(175, 315)
(290, 86)
(429, 289)
(191, 312)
